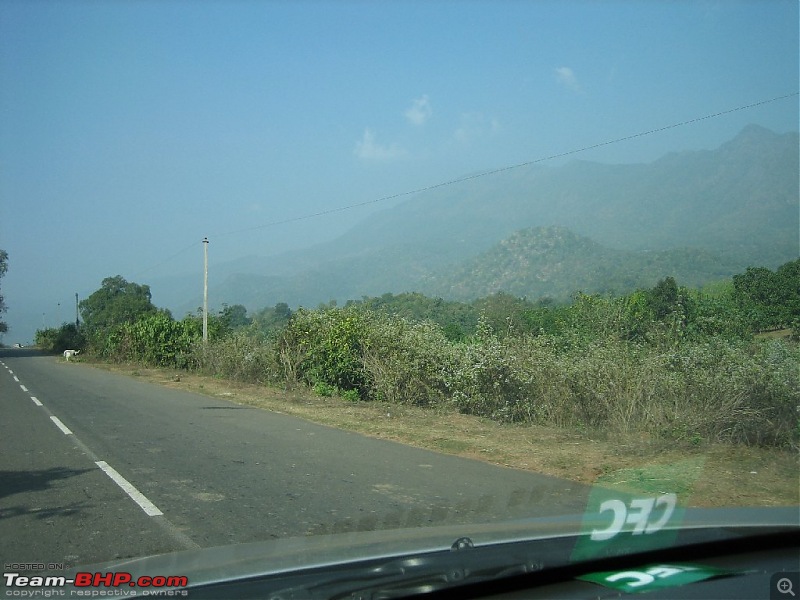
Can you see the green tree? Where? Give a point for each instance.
(282, 310)
(457, 319)
(68, 336)
(788, 276)
(272, 320)
(115, 303)
(157, 339)
(327, 346)
(3, 269)
(504, 312)
(663, 298)
(545, 319)
(770, 300)
(216, 328)
(638, 314)
(234, 317)
(716, 313)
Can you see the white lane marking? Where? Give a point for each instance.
(64, 429)
(148, 507)
(24, 389)
(16, 378)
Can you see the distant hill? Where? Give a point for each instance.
(554, 262)
(535, 230)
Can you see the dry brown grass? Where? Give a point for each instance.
(707, 474)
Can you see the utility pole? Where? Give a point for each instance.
(205, 290)
(77, 317)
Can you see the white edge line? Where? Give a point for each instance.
(24, 389)
(64, 429)
(148, 507)
(36, 401)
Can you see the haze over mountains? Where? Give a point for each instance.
(540, 231)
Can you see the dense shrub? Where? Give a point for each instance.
(771, 300)
(588, 375)
(664, 361)
(325, 346)
(714, 390)
(66, 337)
(154, 339)
(407, 362)
(159, 340)
(244, 355)
(491, 380)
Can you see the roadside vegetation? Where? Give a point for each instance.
(668, 362)
(3, 271)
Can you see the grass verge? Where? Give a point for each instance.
(702, 474)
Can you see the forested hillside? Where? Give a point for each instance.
(696, 215)
(554, 262)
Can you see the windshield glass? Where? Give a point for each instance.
(276, 270)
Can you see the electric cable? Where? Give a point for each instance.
(480, 174)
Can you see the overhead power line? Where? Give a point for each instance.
(168, 259)
(507, 168)
(481, 174)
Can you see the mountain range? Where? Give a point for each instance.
(539, 231)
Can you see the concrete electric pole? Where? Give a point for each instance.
(205, 290)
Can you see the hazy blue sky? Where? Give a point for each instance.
(132, 129)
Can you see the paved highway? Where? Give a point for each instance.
(96, 466)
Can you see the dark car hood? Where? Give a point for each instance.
(262, 559)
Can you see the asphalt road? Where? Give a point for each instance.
(194, 471)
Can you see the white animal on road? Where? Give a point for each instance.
(69, 353)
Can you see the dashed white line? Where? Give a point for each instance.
(148, 507)
(64, 429)
(60, 425)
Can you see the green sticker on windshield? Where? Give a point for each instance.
(617, 524)
(628, 513)
(654, 577)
